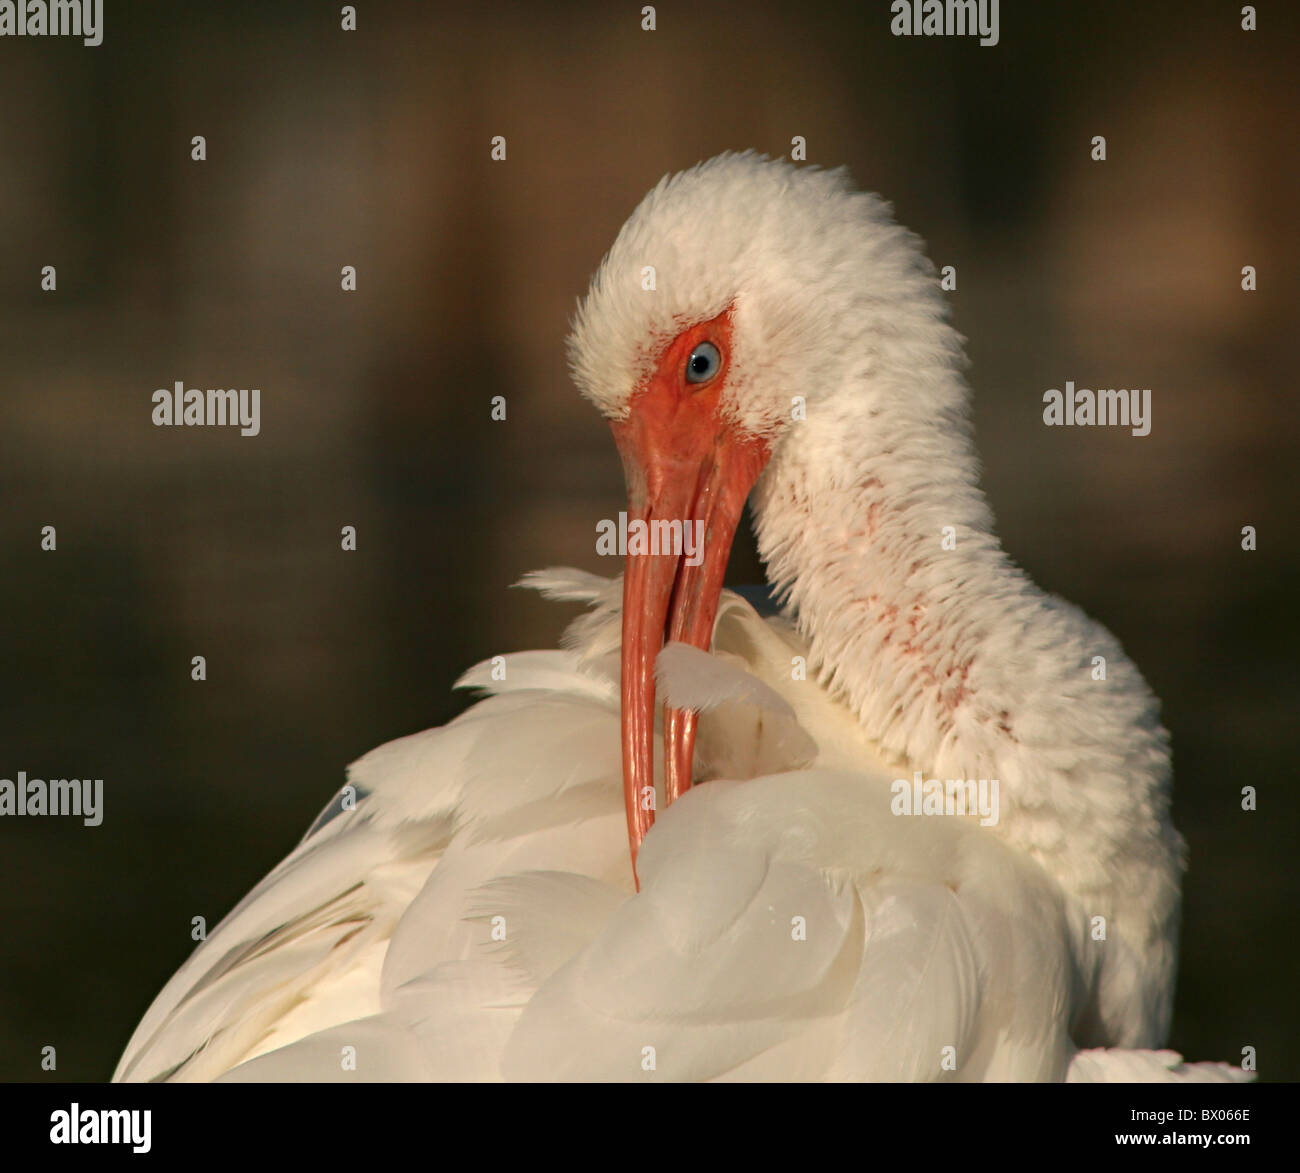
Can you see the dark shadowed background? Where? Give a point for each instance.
(327, 148)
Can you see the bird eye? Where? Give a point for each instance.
(704, 363)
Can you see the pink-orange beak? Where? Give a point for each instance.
(685, 466)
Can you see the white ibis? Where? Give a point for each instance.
(904, 829)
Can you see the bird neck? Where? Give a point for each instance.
(957, 665)
(914, 615)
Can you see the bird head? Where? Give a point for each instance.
(746, 320)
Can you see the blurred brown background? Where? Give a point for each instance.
(371, 148)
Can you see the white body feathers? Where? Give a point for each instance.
(789, 926)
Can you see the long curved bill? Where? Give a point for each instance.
(688, 475)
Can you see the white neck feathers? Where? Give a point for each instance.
(954, 662)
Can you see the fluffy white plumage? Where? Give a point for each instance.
(473, 916)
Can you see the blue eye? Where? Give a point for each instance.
(704, 363)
